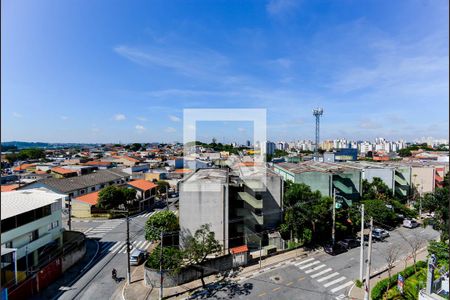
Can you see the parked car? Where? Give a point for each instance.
(137, 256)
(379, 234)
(410, 223)
(349, 243)
(334, 249)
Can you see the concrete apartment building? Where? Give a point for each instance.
(204, 200)
(323, 177)
(371, 170)
(240, 208)
(30, 222)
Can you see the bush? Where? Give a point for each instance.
(172, 259)
(380, 288)
(358, 283)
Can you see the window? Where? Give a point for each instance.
(53, 225)
(102, 186)
(82, 192)
(70, 195)
(34, 235)
(93, 189)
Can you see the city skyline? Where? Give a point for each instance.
(127, 75)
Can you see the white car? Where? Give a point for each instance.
(410, 223)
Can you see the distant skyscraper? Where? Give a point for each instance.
(318, 112)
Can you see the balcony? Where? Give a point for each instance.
(250, 216)
(250, 200)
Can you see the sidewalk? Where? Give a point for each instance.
(356, 293)
(137, 290)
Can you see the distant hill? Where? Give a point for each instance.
(27, 145)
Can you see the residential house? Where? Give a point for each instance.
(31, 224)
(146, 192)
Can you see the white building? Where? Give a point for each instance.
(31, 225)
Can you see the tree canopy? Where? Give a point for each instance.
(162, 221)
(113, 196)
(199, 246)
(172, 259)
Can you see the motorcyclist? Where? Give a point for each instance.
(114, 274)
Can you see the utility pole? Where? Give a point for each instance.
(167, 198)
(420, 199)
(70, 214)
(369, 256)
(260, 251)
(161, 268)
(128, 248)
(334, 217)
(361, 251)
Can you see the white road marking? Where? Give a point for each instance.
(342, 286)
(304, 261)
(309, 265)
(334, 281)
(116, 246)
(328, 277)
(320, 273)
(314, 269)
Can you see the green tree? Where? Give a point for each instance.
(162, 186)
(437, 202)
(11, 157)
(172, 259)
(440, 250)
(305, 209)
(162, 221)
(405, 152)
(199, 246)
(135, 147)
(380, 213)
(113, 196)
(376, 189)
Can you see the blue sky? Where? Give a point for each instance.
(109, 71)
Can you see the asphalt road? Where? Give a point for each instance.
(95, 281)
(319, 276)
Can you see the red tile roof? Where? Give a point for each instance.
(183, 171)
(91, 198)
(24, 167)
(240, 249)
(9, 187)
(142, 184)
(60, 170)
(98, 163)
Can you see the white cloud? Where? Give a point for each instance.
(170, 130)
(280, 7)
(142, 119)
(140, 128)
(16, 115)
(174, 118)
(203, 63)
(285, 63)
(64, 118)
(119, 117)
(369, 124)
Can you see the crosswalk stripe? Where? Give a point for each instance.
(146, 244)
(116, 246)
(314, 269)
(124, 247)
(342, 286)
(334, 281)
(304, 261)
(87, 230)
(320, 273)
(309, 265)
(139, 244)
(328, 277)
